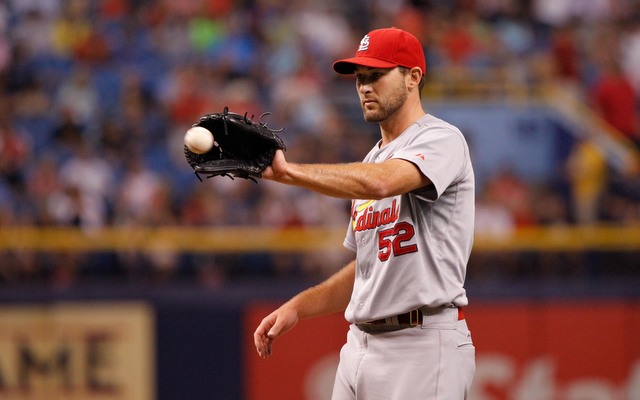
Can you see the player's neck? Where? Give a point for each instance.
(393, 126)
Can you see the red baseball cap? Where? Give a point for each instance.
(385, 48)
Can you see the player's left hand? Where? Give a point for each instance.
(275, 324)
(238, 146)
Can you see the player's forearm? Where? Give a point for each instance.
(348, 181)
(330, 296)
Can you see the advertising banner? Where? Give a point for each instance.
(560, 350)
(73, 351)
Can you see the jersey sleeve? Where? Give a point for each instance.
(441, 155)
(350, 239)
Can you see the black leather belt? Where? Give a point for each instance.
(410, 319)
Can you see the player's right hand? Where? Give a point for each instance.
(272, 326)
(277, 170)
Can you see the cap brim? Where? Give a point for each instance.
(348, 65)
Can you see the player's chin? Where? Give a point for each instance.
(370, 112)
(371, 116)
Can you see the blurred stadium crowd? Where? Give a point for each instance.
(95, 96)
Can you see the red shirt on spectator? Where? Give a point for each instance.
(616, 101)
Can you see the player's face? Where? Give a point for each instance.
(382, 92)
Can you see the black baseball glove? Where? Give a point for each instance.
(242, 147)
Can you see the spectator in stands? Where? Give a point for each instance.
(630, 49)
(125, 78)
(493, 217)
(137, 193)
(78, 97)
(565, 54)
(15, 147)
(43, 183)
(87, 178)
(513, 193)
(615, 99)
(588, 176)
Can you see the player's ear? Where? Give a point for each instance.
(415, 76)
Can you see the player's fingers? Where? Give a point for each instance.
(271, 327)
(285, 321)
(264, 350)
(261, 339)
(267, 173)
(275, 330)
(261, 351)
(277, 168)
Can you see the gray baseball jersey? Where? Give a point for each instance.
(412, 249)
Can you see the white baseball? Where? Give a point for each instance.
(198, 140)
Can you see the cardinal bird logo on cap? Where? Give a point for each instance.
(364, 43)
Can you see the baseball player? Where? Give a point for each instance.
(411, 229)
